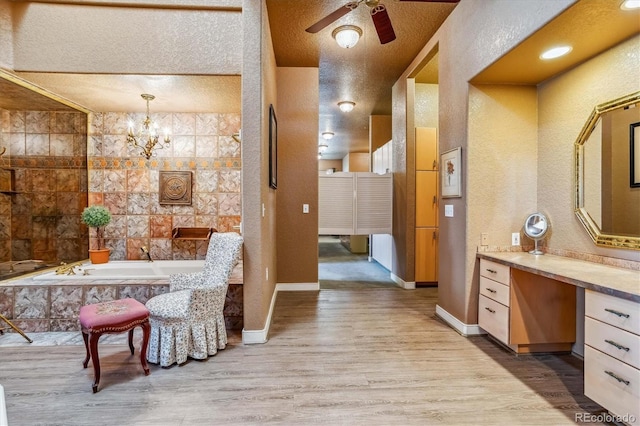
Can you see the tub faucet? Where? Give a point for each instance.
(145, 251)
(67, 269)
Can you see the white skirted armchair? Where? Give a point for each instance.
(189, 320)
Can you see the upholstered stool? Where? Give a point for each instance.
(116, 316)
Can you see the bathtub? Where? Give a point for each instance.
(126, 270)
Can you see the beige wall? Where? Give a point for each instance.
(297, 232)
(379, 132)
(565, 103)
(330, 164)
(426, 105)
(259, 91)
(6, 36)
(473, 37)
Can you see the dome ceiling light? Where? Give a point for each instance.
(346, 106)
(323, 147)
(347, 36)
(327, 135)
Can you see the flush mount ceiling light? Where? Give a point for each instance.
(346, 106)
(630, 4)
(327, 135)
(347, 36)
(323, 147)
(555, 52)
(147, 139)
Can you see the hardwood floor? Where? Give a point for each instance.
(334, 357)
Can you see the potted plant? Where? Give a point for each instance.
(97, 217)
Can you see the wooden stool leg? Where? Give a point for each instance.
(146, 331)
(93, 347)
(131, 341)
(85, 337)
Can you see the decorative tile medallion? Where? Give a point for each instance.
(175, 187)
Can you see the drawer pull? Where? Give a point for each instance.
(492, 271)
(491, 290)
(620, 314)
(617, 345)
(619, 379)
(490, 310)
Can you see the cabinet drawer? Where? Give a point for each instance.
(621, 313)
(620, 396)
(495, 271)
(494, 290)
(612, 341)
(494, 318)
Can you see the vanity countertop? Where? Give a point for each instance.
(619, 282)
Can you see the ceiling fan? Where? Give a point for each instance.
(379, 16)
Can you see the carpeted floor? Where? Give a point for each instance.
(338, 268)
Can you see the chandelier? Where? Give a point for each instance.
(147, 139)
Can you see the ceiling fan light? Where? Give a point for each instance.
(347, 36)
(346, 106)
(327, 135)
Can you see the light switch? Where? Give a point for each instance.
(305, 208)
(448, 210)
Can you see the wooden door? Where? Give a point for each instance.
(426, 268)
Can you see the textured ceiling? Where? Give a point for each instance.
(364, 74)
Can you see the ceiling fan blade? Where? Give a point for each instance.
(332, 17)
(383, 24)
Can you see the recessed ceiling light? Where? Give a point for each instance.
(346, 106)
(555, 52)
(327, 135)
(630, 4)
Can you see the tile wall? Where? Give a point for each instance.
(127, 183)
(40, 219)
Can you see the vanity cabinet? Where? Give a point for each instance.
(527, 312)
(493, 303)
(612, 354)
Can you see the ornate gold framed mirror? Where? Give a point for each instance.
(606, 203)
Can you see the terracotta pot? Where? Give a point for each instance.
(99, 256)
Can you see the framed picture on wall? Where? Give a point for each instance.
(451, 166)
(634, 139)
(273, 148)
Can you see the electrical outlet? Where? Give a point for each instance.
(515, 239)
(305, 208)
(484, 239)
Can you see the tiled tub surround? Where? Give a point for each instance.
(54, 305)
(47, 153)
(128, 184)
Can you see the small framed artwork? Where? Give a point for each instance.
(451, 166)
(273, 148)
(634, 151)
(175, 187)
